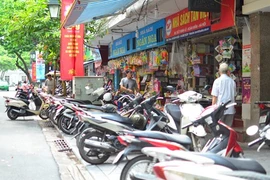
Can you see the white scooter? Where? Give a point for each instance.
(190, 109)
(21, 107)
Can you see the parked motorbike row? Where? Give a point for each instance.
(164, 138)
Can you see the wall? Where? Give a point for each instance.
(245, 106)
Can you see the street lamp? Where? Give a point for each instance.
(54, 8)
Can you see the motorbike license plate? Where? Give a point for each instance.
(119, 155)
(263, 119)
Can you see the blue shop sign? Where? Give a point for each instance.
(123, 46)
(151, 36)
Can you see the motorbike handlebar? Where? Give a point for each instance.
(187, 125)
(256, 141)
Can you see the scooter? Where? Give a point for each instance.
(223, 143)
(188, 110)
(264, 135)
(101, 139)
(177, 164)
(20, 107)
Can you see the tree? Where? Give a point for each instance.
(26, 26)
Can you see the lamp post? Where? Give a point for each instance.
(54, 7)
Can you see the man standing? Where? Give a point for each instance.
(49, 84)
(127, 84)
(224, 89)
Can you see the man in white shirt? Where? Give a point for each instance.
(224, 89)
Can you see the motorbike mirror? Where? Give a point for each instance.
(252, 130)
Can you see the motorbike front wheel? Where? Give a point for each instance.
(12, 114)
(90, 154)
(43, 114)
(63, 124)
(140, 164)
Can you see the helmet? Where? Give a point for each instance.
(138, 121)
(107, 97)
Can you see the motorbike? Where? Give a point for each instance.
(105, 128)
(189, 108)
(68, 122)
(17, 107)
(264, 134)
(223, 142)
(181, 164)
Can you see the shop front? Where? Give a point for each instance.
(201, 41)
(144, 52)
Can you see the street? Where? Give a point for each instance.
(27, 152)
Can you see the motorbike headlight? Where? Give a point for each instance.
(267, 134)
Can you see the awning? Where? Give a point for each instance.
(83, 11)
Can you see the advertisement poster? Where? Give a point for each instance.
(72, 54)
(246, 60)
(246, 90)
(40, 67)
(34, 72)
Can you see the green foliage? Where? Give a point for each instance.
(95, 29)
(6, 62)
(26, 26)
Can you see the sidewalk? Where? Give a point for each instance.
(106, 171)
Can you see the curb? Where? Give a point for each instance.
(72, 169)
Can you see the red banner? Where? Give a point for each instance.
(186, 23)
(34, 75)
(71, 49)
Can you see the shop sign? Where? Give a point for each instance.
(246, 83)
(122, 46)
(151, 36)
(40, 66)
(71, 50)
(187, 23)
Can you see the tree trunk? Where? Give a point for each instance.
(24, 68)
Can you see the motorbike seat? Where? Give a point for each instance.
(174, 111)
(113, 116)
(178, 138)
(105, 108)
(236, 164)
(90, 106)
(25, 101)
(78, 101)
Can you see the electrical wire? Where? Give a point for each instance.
(236, 28)
(177, 5)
